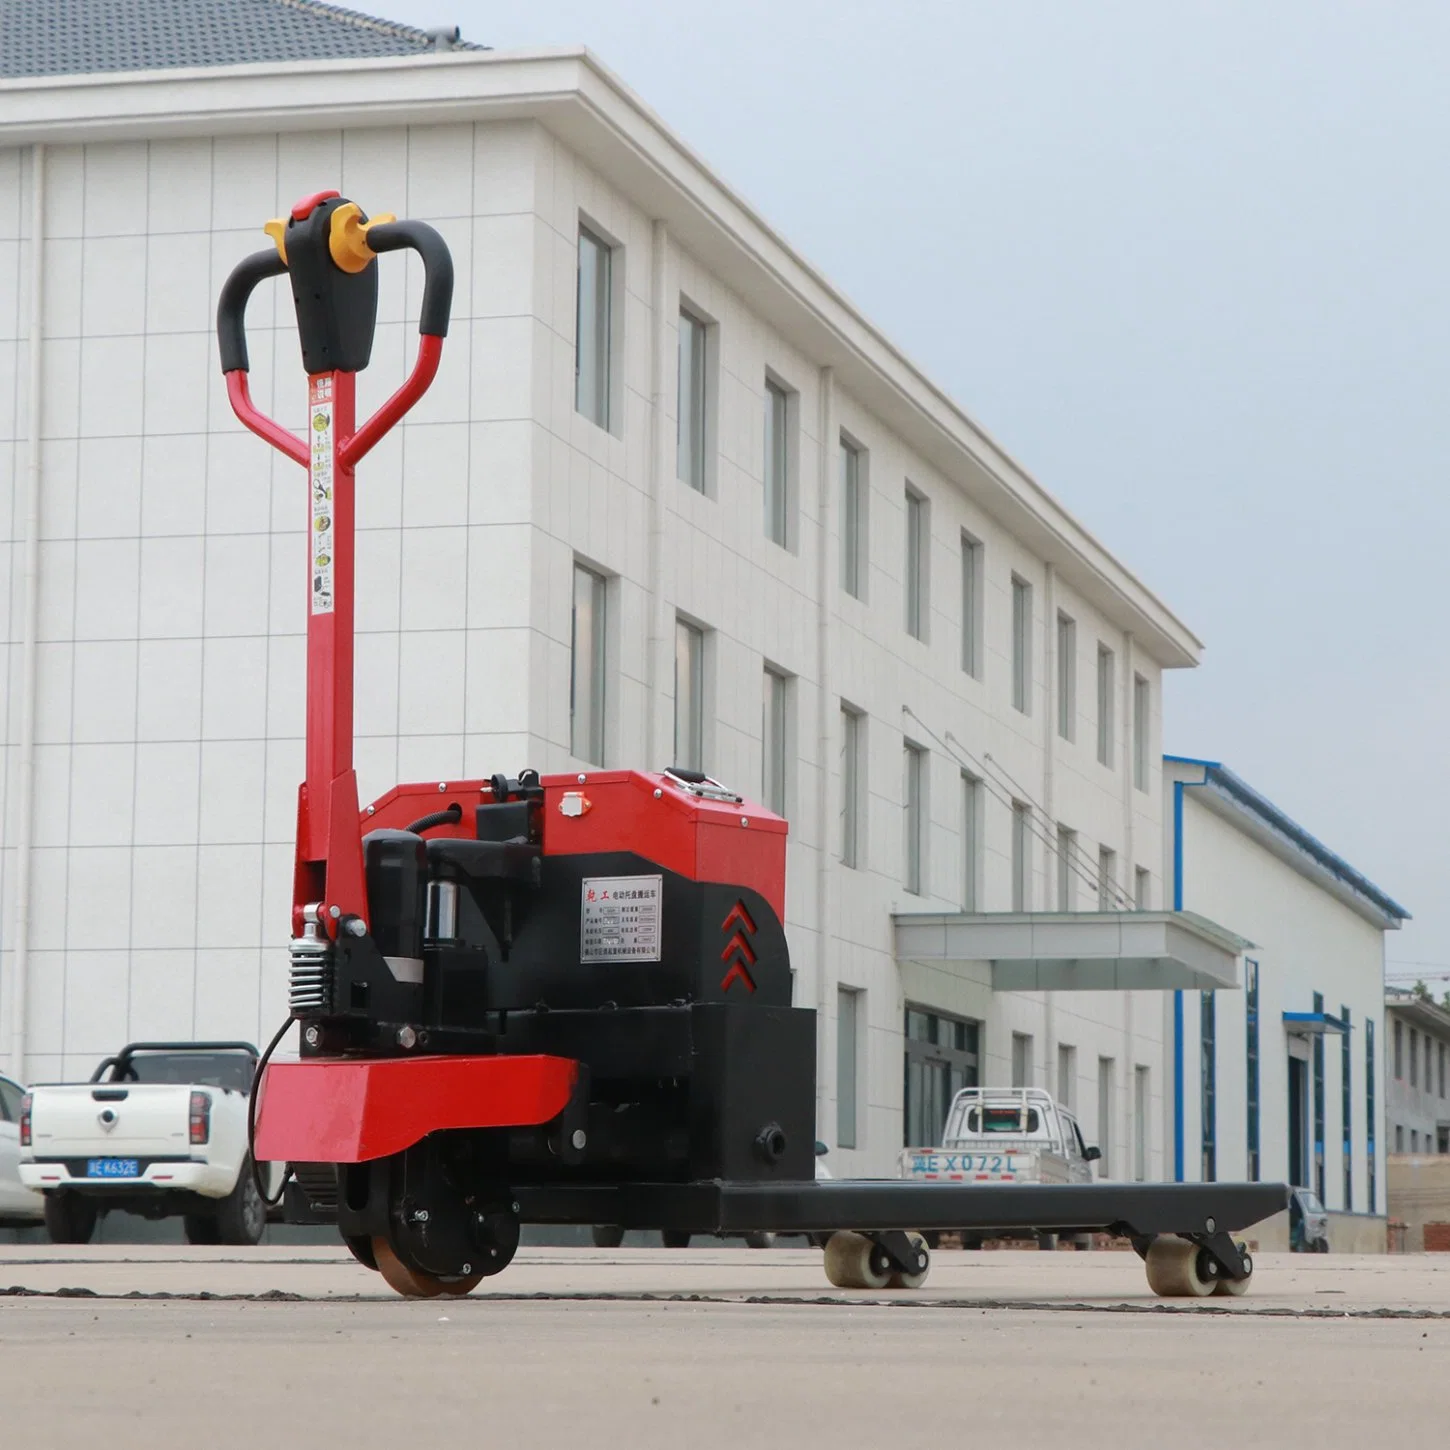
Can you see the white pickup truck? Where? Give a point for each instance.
(160, 1130)
(1004, 1135)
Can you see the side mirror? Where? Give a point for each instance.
(1092, 1154)
(821, 1149)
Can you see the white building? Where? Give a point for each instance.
(1417, 1068)
(670, 498)
(1285, 1079)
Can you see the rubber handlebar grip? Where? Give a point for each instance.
(437, 268)
(231, 312)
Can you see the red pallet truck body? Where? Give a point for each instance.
(563, 999)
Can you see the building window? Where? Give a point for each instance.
(1442, 1069)
(971, 840)
(855, 491)
(1346, 1112)
(1140, 1123)
(918, 587)
(1106, 1071)
(1208, 1057)
(1105, 706)
(1399, 1137)
(1066, 677)
(775, 740)
(1142, 889)
(593, 339)
(1317, 1051)
(1251, 1060)
(913, 822)
(941, 1060)
(1107, 879)
(1021, 645)
(1021, 856)
(1399, 1050)
(848, 1027)
(586, 667)
(689, 695)
(1066, 875)
(1414, 1141)
(1142, 724)
(972, 584)
(853, 785)
(1369, 1119)
(1414, 1058)
(693, 411)
(777, 464)
(1021, 1060)
(1066, 1074)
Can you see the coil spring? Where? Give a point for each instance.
(310, 985)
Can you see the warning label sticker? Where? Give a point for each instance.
(319, 434)
(619, 918)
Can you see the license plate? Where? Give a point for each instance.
(112, 1168)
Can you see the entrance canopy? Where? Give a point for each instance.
(1077, 951)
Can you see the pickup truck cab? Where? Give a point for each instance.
(1004, 1135)
(160, 1130)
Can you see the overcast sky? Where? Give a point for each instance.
(1188, 262)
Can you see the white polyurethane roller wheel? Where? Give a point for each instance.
(852, 1262)
(1173, 1269)
(1236, 1287)
(913, 1281)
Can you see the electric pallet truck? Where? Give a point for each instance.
(561, 999)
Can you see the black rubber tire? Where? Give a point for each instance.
(606, 1235)
(69, 1218)
(241, 1217)
(675, 1238)
(201, 1228)
(763, 1240)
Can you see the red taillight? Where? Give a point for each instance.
(25, 1121)
(200, 1118)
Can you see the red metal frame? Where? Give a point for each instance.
(348, 1110)
(329, 866)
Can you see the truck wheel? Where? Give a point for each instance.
(69, 1218)
(606, 1235)
(241, 1215)
(201, 1228)
(675, 1238)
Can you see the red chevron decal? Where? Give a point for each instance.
(740, 916)
(741, 947)
(738, 970)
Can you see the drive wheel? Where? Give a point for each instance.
(201, 1228)
(399, 1277)
(361, 1248)
(606, 1235)
(675, 1238)
(1236, 1287)
(760, 1241)
(69, 1218)
(899, 1280)
(854, 1262)
(1179, 1269)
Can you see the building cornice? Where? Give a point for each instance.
(592, 112)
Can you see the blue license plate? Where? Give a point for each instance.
(112, 1168)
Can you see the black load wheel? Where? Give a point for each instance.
(675, 1238)
(761, 1240)
(69, 1218)
(607, 1235)
(201, 1228)
(241, 1215)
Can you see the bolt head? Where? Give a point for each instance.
(371, 809)
(313, 1035)
(442, 785)
(658, 793)
(744, 820)
(357, 927)
(579, 1138)
(406, 1037)
(334, 912)
(466, 1269)
(1210, 1224)
(582, 777)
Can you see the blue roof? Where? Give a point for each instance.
(84, 37)
(1246, 796)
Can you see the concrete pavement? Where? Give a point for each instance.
(709, 1348)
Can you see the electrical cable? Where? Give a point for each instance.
(262, 1061)
(450, 816)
